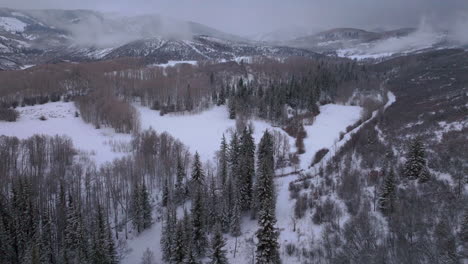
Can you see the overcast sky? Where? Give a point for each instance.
(244, 17)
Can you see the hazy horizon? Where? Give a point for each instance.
(246, 18)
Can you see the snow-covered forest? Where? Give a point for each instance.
(284, 157)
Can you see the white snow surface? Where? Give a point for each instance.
(325, 130)
(173, 63)
(201, 132)
(391, 99)
(12, 24)
(61, 120)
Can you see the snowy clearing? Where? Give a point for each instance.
(61, 120)
(325, 131)
(201, 132)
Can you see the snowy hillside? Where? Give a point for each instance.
(361, 44)
(11, 24)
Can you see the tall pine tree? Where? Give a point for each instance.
(387, 194)
(179, 249)
(265, 191)
(168, 233)
(223, 161)
(198, 177)
(198, 224)
(179, 185)
(267, 234)
(218, 253)
(246, 169)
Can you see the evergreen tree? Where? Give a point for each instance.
(141, 208)
(179, 186)
(198, 224)
(187, 223)
(146, 209)
(212, 205)
(192, 257)
(267, 234)
(228, 203)
(179, 245)
(235, 220)
(387, 194)
(198, 176)
(223, 161)
(246, 169)
(46, 239)
(424, 175)
(168, 233)
(415, 166)
(75, 244)
(104, 251)
(136, 212)
(191, 252)
(265, 192)
(218, 253)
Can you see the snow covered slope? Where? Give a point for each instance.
(159, 50)
(12, 24)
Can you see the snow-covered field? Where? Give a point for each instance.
(61, 120)
(201, 132)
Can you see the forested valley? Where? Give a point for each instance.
(391, 190)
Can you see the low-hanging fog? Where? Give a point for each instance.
(246, 17)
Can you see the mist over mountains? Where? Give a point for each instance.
(31, 37)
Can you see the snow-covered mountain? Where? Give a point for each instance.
(337, 38)
(361, 44)
(32, 37)
(39, 36)
(200, 48)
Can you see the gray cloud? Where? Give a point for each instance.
(246, 17)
